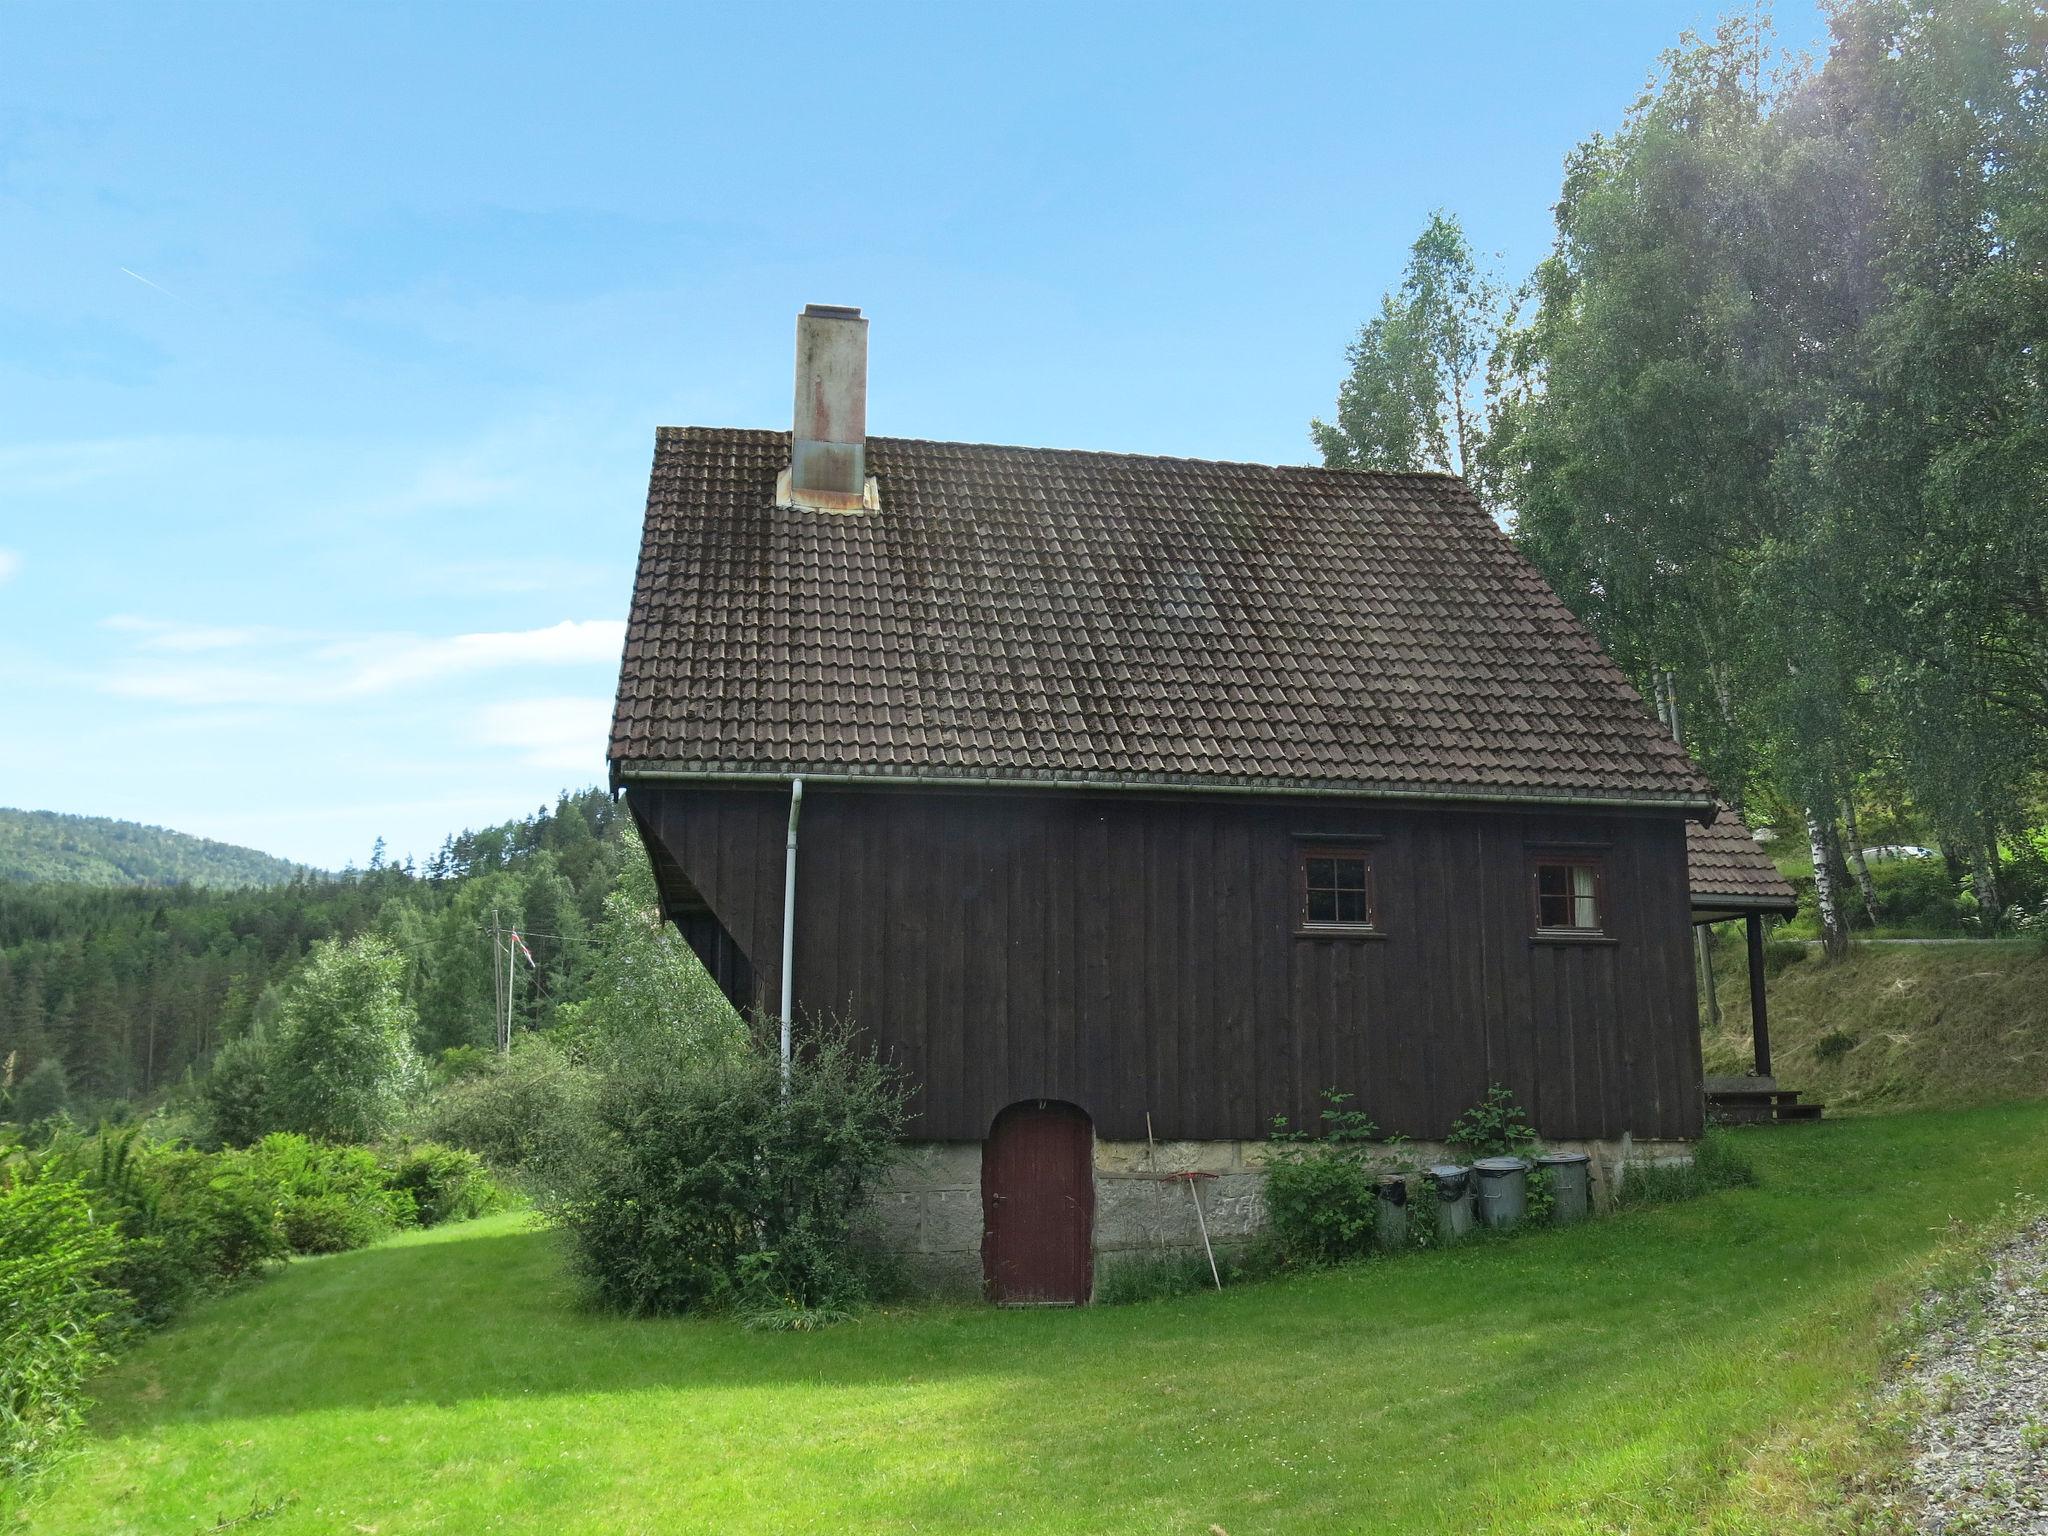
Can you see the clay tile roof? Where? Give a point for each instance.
(1728, 869)
(1028, 615)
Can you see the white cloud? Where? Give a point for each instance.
(384, 664)
(564, 733)
(265, 666)
(10, 562)
(168, 635)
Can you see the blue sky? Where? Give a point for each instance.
(333, 338)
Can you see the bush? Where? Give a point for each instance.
(1494, 1127)
(509, 1112)
(54, 1306)
(1322, 1192)
(1915, 893)
(327, 1199)
(1718, 1162)
(237, 1099)
(690, 1180)
(1780, 955)
(1834, 1045)
(444, 1183)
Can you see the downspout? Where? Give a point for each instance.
(796, 806)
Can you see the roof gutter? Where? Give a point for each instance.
(1701, 807)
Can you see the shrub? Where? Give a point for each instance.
(328, 1199)
(44, 1094)
(1322, 1192)
(1718, 1162)
(237, 1099)
(1781, 955)
(1915, 893)
(1834, 1045)
(54, 1306)
(444, 1183)
(692, 1181)
(509, 1111)
(1494, 1127)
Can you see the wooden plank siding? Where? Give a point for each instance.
(1132, 953)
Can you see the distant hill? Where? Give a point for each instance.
(97, 850)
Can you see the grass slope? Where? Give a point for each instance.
(1679, 1370)
(96, 850)
(1896, 1025)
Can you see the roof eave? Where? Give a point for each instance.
(624, 772)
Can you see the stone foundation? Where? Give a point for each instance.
(927, 1215)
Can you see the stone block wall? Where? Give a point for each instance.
(927, 1215)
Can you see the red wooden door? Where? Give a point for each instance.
(1038, 1205)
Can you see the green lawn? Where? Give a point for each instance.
(1688, 1369)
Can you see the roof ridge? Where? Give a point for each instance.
(1090, 453)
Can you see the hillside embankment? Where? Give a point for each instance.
(1896, 1025)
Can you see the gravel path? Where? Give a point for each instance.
(1981, 1461)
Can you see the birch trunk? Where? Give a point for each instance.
(1864, 886)
(1834, 938)
(1984, 871)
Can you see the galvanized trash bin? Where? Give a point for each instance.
(1503, 1191)
(1571, 1186)
(1393, 1210)
(1453, 1183)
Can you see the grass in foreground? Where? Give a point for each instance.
(1686, 1369)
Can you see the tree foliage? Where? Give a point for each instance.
(344, 1057)
(1772, 416)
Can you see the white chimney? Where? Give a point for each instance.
(828, 470)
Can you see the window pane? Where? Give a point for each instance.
(1586, 914)
(1322, 872)
(1322, 906)
(1553, 911)
(1350, 874)
(1351, 906)
(1551, 879)
(1582, 880)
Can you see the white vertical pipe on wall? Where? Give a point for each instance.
(796, 805)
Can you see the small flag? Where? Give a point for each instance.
(524, 950)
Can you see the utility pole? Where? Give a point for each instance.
(511, 987)
(502, 1040)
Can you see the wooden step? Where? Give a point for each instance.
(1800, 1111)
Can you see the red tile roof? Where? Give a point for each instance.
(1728, 870)
(1031, 615)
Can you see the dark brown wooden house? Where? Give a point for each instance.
(1129, 798)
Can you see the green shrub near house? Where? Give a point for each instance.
(695, 1180)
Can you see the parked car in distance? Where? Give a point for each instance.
(1899, 851)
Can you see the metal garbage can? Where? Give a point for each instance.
(1393, 1210)
(1571, 1186)
(1503, 1191)
(1453, 1182)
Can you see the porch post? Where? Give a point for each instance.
(1759, 1013)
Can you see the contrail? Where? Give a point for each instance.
(159, 287)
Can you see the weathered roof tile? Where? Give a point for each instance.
(1032, 614)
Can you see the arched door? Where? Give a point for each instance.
(1038, 1205)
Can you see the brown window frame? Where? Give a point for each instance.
(1541, 860)
(1336, 928)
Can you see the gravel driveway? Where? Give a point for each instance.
(1981, 1459)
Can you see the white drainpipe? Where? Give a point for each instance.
(796, 805)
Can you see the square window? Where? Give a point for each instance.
(1335, 890)
(1570, 895)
